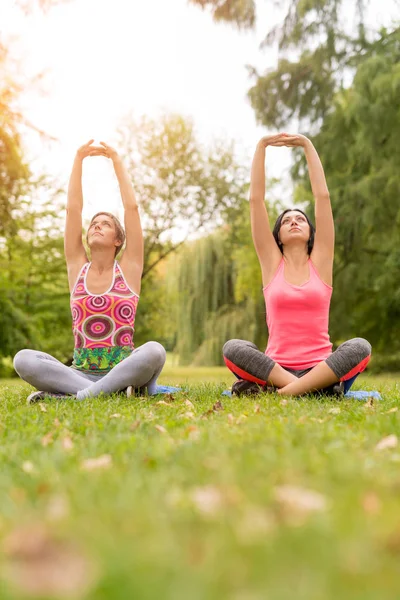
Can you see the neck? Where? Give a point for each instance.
(102, 260)
(296, 255)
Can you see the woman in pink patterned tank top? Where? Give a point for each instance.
(104, 296)
(296, 261)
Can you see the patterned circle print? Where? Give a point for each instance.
(78, 314)
(123, 337)
(98, 327)
(123, 312)
(79, 339)
(121, 288)
(80, 289)
(98, 304)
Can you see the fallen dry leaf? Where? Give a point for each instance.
(369, 403)
(371, 503)
(188, 415)
(241, 419)
(231, 418)
(257, 408)
(67, 443)
(163, 402)
(335, 410)
(42, 407)
(39, 565)
(169, 397)
(57, 508)
(194, 432)
(283, 402)
(254, 525)
(208, 500)
(160, 428)
(115, 416)
(100, 462)
(42, 488)
(387, 442)
(28, 467)
(189, 404)
(392, 544)
(216, 407)
(47, 439)
(56, 422)
(300, 500)
(392, 410)
(18, 495)
(135, 425)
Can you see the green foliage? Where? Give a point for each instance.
(217, 289)
(33, 276)
(358, 144)
(320, 44)
(317, 52)
(182, 186)
(241, 12)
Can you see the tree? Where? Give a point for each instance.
(358, 144)
(240, 12)
(318, 53)
(183, 187)
(216, 287)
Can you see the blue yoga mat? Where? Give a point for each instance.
(356, 395)
(166, 389)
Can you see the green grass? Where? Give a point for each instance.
(192, 505)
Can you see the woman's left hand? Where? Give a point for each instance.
(110, 152)
(293, 139)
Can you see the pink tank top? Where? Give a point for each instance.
(102, 324)
(297, 320)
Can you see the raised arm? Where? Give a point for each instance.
(133, 256)
(74, 250)
(267, 250)
(324, 244)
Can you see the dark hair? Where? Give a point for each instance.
(118, 228)
(278, 224)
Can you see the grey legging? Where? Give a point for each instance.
(246, 361)
(48, 374)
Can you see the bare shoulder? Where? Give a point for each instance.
(131, 272)
(323, 266)
(73, 269)
(269, 270)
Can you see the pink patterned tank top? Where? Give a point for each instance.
(102, 324)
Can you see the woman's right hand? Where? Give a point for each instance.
(272, 140)
(89, 150)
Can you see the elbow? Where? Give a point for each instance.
(256, 199)
(323, 197)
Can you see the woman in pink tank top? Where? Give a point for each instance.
(104, 296)
(296, 261)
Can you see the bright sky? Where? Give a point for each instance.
(106, 59)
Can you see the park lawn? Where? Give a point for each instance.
(258, 498)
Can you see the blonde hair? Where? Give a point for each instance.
(119, 230)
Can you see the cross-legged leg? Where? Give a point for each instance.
(48, 374)
(246, 361)
(348, 360)
(140, 369)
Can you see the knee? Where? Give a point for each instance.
(158, 351)
(22, 362)
(231, 348)
(362, 348)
